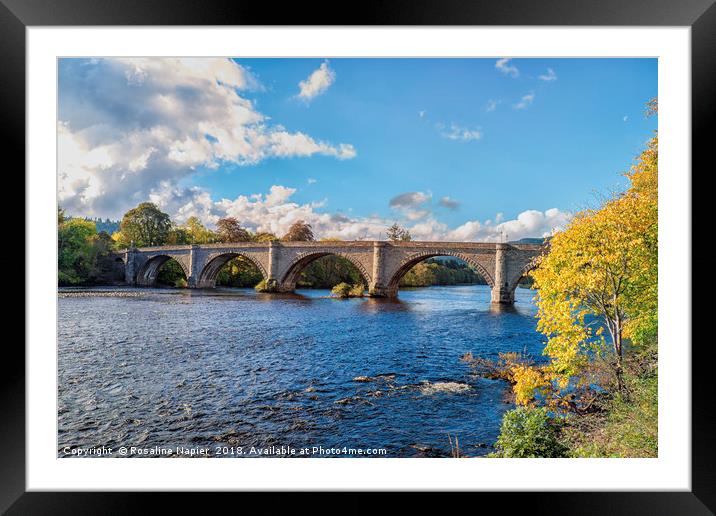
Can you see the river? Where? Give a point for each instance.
(227, 370)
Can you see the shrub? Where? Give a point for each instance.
(357, 290)
(341, 290)
(529, 432)
(344, 290)
(267, 286)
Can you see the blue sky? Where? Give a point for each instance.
(464, 148)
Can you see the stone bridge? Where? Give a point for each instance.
(382, 264)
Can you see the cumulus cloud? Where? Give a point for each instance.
(183, 203)
(505, 67)
(317, 83)
(459, 133)
(133, 128)
(525, 101)
(549, 76)
(275, 211)
(447, 202)
(530, 223)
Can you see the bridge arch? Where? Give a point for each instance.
(149, 271)
(210, 271)
(515, 279)
(302, 260)
(410, 261)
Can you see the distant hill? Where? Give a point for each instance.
(529, 241)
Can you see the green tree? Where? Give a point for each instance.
(178, 236)
(396, 233)
(76, 253)
(145, 225)
(440, 272)
(229, 230)
(328, 271)
(300, 231)
(197, 232)
(172, 275)
(102, 243)
(421, 275)
(239, 272)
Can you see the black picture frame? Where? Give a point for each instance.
(700, 15)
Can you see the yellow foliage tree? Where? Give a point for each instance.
(601, 272)
(197, 233)
(527, 381)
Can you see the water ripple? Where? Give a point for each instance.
(152, 367)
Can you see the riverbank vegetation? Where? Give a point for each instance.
(80, 250)
(594, 393)
(345, 290)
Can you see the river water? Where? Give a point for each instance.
(236, 373)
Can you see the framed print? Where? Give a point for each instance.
(446, 248)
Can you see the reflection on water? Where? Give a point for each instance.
(231, 367)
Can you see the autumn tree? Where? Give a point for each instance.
(601, 273)
(145, 225)
(397, 233)
(229, 230)
(300, 231)
(265, 237)
(197, 232)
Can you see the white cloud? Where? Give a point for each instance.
(183, 203)
(492, 105)
(525, 101)
(549, 76)
(133, 128)
(311, 181)
(505, 67)
(318, 82)
(275, 212)
(286, 144)
(457, 132)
